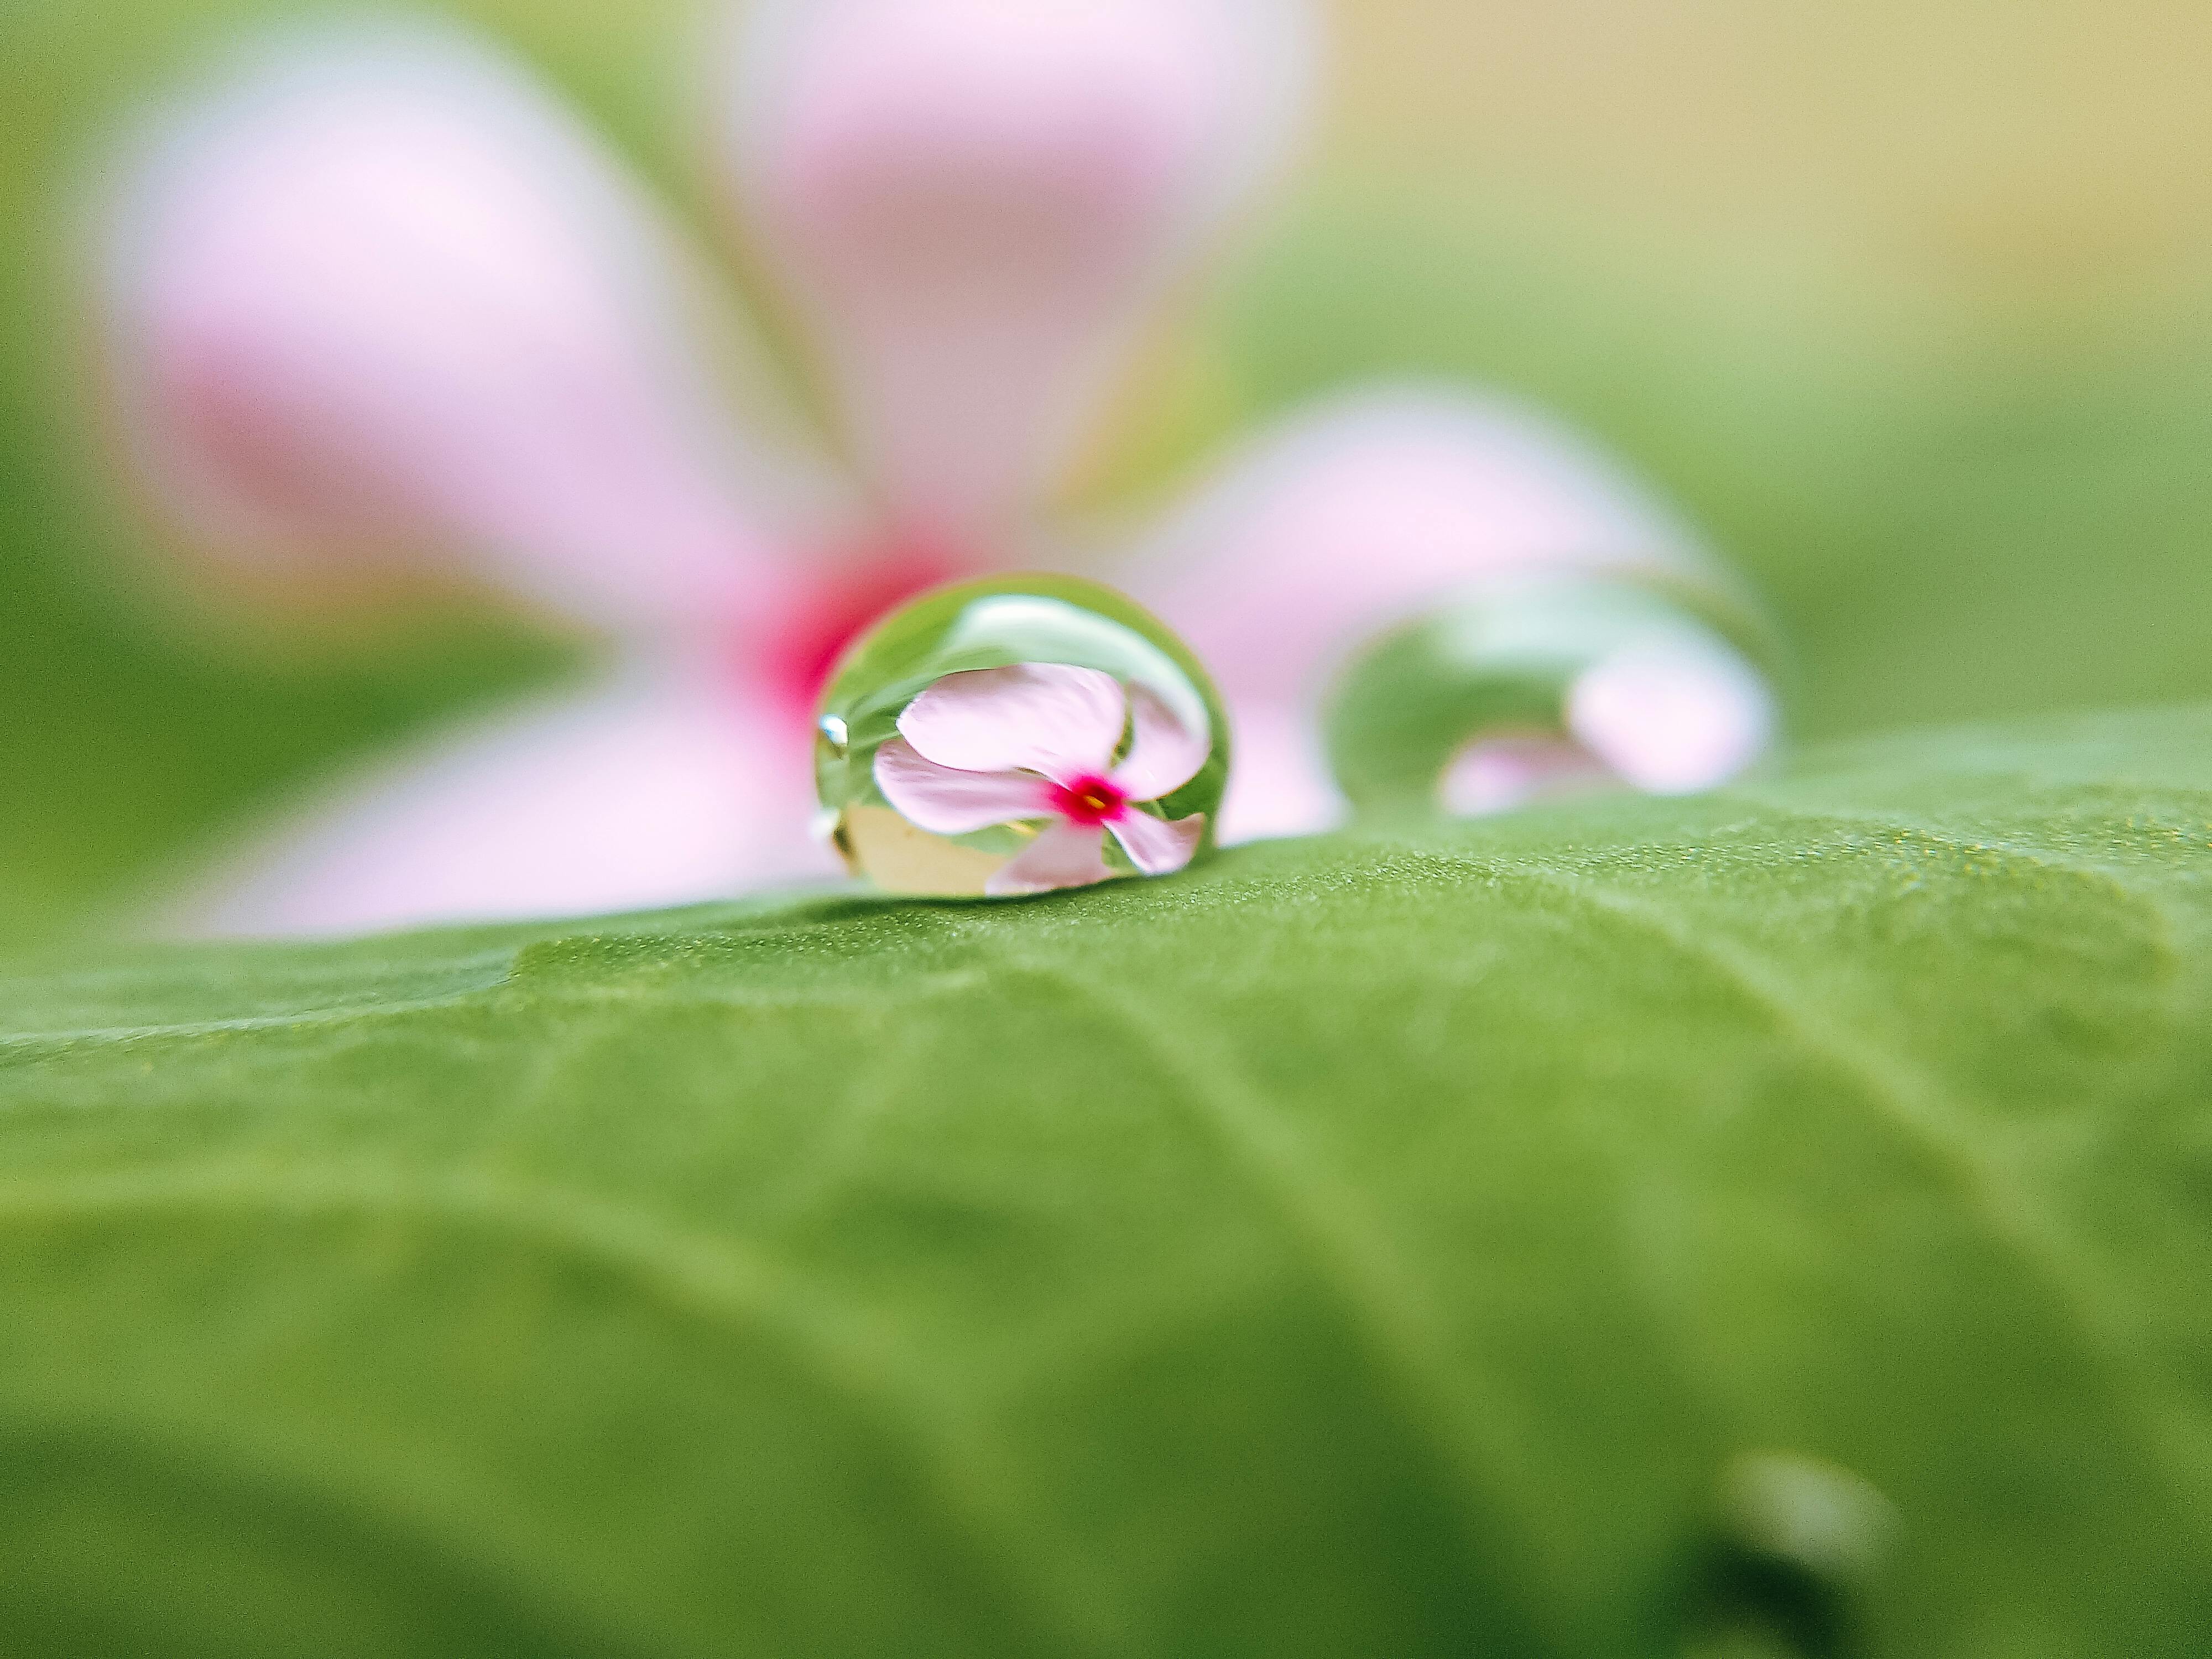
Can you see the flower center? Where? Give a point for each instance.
(860, 592)
(1088, 800)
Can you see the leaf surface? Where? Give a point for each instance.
(1383, 1244)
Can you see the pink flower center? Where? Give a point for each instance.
(1088, 800)
(862, 590)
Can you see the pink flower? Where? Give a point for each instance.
(1000, 746)
(377, 308)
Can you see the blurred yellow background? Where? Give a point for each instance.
(2043, 159)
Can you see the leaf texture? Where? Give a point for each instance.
(1376, 1244)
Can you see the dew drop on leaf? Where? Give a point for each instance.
(1534, 687)
(1796, 1546)
(1019, 734)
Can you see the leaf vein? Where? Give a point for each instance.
(703, 1280)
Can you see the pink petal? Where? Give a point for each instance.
(1672, 721)
(946, 802)
(1362, 512)
(978, 201)
(1498, 773)
(380, 298)
(1158, 846)
(660, 786)
(1164, 754)
(1045, 717)
(1280, 784)
(1064, 854)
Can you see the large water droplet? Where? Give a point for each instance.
(1529, 688)
(1017, 734)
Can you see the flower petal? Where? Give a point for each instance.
(1280, 784)
(1047, 717)
(977, 201)
(379, 298)
(1497, 775)
(1064, 854)
(1357, 513)
(1158, 846)
(1164, 754)
(949, 802)
(656, 788)
(1672, 721)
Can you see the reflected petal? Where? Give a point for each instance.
(1280, 784)
(1158, 846)
(977, 201)
(1064, 854)
(1499, 774)
(1672, 721)
(377, 296)
(1164, 754)
(1355, 514)
(656, 788)
(948, 802)
(1047, 717)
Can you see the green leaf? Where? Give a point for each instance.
(1569, 1235)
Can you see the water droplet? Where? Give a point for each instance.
(1017, 734)
(1796, 1547)
(1538, 686)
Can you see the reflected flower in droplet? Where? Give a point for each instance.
(1017, 735)
(1528, 688)
(994, 747)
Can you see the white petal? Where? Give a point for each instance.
(1064, 854)
(947, 802)
(1673, 720)
(1158, 846)
(1045, 717)
(1164, 754)
(977, 201)
(377, 298)
(656, 788)
(1359, 514)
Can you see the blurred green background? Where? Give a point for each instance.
(1906, 304)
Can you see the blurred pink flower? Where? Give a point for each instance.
(378, 305)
